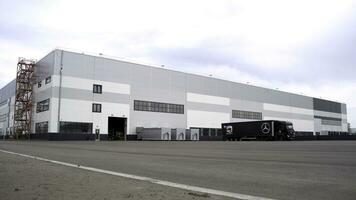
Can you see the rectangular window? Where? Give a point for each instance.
(42, 106)
(97, 89)
(246, 114)
(75, 127)
(39, 84)
(48, 80)
(96, 107)
(330, 120)
(158, 107)
(41, 127)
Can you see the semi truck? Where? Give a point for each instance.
(258, 130)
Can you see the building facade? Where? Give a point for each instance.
(353, 131)
(81, 93)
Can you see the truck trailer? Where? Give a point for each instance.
(258, 130)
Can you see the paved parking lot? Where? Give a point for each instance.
(280, 170)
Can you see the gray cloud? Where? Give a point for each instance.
(330, 57)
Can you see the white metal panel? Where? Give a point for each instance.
(12, 109)
(343, 116)
(202, 98)
(317, 125)
(197, 118)
(114, 87)
(345, 127)
(331, 128)
(287, 109)
(3, 106)
(76, 110)
(53, 120)
(87, 84)
(81, 111)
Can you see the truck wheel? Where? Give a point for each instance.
(281, 138)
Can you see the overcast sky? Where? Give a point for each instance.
(301, 46)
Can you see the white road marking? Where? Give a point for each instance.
(147, 179)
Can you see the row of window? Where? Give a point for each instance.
(148, 106)
(3, 117)
(42, 106)
(41, 127)
(209, 131)
(47, 80)
(66, 127)
(3, 103)
(75, 127)
(246, 114)
(333, 133)
(331, 122)
(158, 107)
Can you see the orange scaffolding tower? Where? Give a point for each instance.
(23, 97)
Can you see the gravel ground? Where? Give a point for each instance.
(25, 178)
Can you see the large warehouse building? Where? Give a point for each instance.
(79, 93)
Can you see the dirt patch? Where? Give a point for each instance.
(205, 195)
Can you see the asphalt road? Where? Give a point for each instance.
(281, 170)
(23, 178)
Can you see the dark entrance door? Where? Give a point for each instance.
(117, 128)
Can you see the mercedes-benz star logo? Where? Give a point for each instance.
(265, 128)
(228, 130)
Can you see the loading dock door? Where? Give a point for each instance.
(117, 127)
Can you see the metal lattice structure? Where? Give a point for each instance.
(23, 97)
